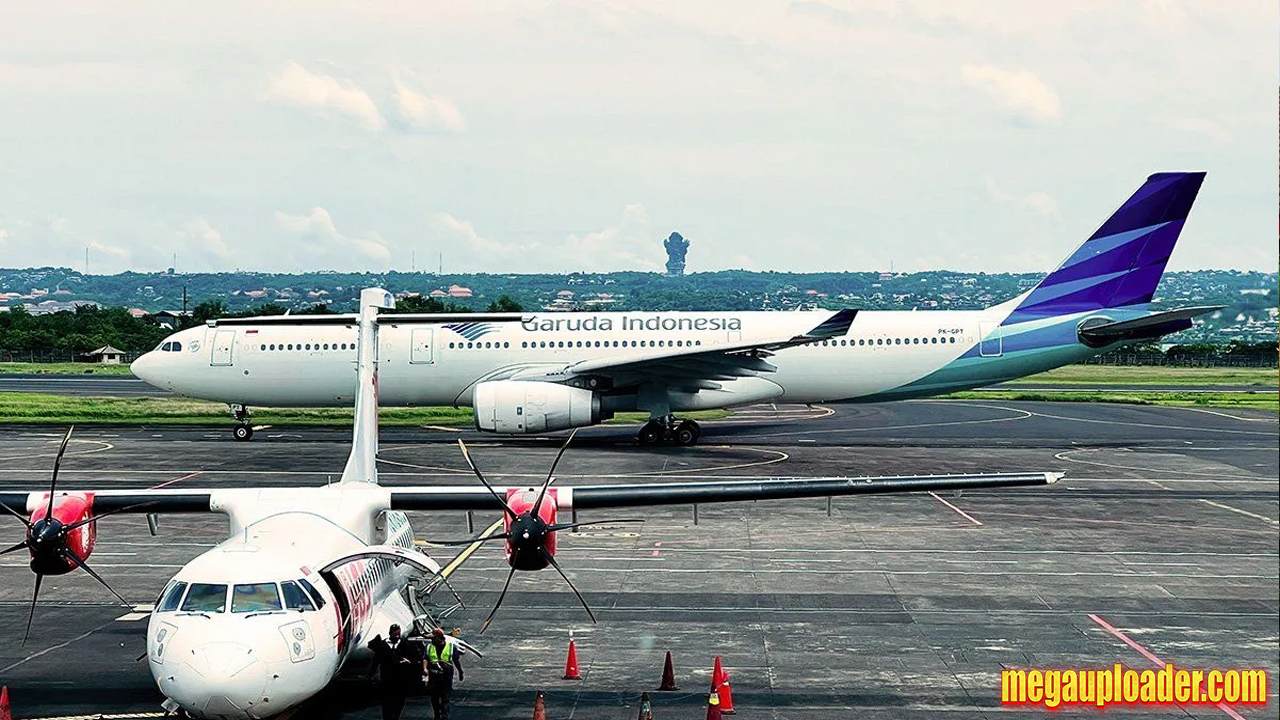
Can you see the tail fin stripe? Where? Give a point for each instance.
(1119, 258)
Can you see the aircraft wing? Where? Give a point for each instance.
(582, 497)
(585, 497)
(698, 368)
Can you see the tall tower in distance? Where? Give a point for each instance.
(676, 247)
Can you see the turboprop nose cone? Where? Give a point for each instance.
(228, 682)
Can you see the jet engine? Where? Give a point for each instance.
(516, 407)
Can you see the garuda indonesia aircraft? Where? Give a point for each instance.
(267, 618)
(554, 371)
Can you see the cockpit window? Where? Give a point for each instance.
(204, 597)
(166, 347)
(258, 597)
(171, 597)
(177, 346)
(315, 594)
(294, 597)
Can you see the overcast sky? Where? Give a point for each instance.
(558, 136)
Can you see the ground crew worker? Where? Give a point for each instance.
(441, 659)
(398, 661)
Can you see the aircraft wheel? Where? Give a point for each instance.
(651, 433)
(243, 433)
(689, 426)
(684, 435)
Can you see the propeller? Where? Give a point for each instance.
(47, 541)
(527, 533)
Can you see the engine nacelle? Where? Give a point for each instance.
(517, 407)
(68, 509)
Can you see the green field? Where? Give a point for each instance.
(1146, 375)
(64, 368)
(39, 408)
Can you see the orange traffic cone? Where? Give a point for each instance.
(713, 706)
(668, 675)
(646, 707)
(5, 713)
(571, 663)
(720, 686)
(539, 707)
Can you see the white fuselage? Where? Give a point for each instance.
(253, 627)
(424, 364)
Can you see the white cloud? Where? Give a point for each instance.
(319, 244)
(423, 112)
(1019, 91)
(295, 86)
(630, 244)
(1201, 126)
(1038, 202)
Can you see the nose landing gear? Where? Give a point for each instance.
(243, 431)
(669, 429)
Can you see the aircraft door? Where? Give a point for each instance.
(991, 339)
(224, 344)
(422, 350)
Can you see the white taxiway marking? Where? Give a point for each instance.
(963, 514)
(1263, 518)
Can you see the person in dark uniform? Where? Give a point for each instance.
(399, 664)
(442, 657)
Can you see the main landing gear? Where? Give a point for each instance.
(243, 431)
(669, 429)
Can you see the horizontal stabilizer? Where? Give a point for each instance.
(1149, 326)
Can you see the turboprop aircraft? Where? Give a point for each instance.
(267, 618)
(554, 371)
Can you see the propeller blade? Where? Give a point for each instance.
(570, 526)
(30, 615)
(57, 463)
(75, 559)
(511, 513)
(551, 473)
(468, 541)
(86, 521)
(552, 559)
(19, 546)
(498, 604)
(15, 513)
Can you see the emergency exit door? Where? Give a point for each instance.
(224, 344)
(991, 343)
(421, 351)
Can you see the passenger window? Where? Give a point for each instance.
(311, 590)
(294, 597)
(204, 597)
(171, 597)
(258, 597)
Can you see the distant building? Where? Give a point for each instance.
(457, 291)
(48, 307)
(170, 318)
(105, 355)
(138, 313)
(437, 294)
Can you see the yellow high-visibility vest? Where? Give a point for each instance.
(442, 656)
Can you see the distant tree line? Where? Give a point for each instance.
(1231, 354)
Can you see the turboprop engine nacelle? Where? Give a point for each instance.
(51, 538)
(531, 406)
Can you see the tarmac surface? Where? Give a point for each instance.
(906, 606)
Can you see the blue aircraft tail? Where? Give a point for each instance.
(1121, 263)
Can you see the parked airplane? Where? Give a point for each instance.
(267, 618)
(553, 371)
